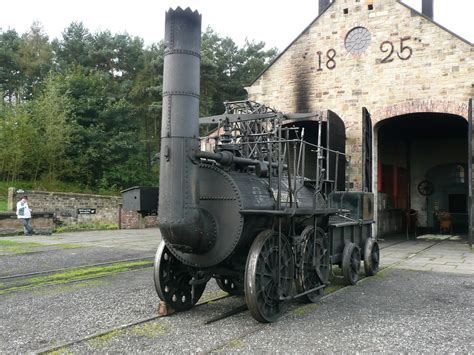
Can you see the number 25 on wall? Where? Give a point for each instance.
(404, 53)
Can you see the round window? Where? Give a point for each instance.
(357, 40)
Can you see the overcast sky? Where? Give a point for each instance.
(276, 23)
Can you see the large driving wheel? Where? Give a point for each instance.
(268, 276)
(172, 281)
(371, 257)
(351, 263)
(231, 285)
(314, 268)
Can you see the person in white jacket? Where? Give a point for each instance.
(23, 213)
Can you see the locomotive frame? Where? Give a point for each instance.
(265, 212)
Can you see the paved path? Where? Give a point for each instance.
(451, 256)
(43, 253)
(136, 239)
(427, 255)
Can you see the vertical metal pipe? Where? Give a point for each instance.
(181, 221)
(323, 4)
(427, 8)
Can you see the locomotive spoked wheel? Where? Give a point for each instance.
(371, 257)
(172, 281)
(351, 263)
(231, 285)
(268, 276)
(314, 268)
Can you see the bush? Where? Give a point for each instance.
(85, 227)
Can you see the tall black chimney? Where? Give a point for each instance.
(427, 8)
(322, 5)
(183, 224)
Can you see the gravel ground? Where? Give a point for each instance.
(62, 258)
(432, 314)
(48, 315)
(51, 315)
(396, 311)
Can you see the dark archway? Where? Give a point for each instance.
(418, 157)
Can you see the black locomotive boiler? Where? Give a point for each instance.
(263, 209)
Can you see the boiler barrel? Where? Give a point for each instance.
(223, 195)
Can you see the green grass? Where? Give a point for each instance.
(10, 247)
(102, 340)
(209, 296)
(303, 310)
(44, 291)
(3, 204)
(60, 351)
(332, 288)
(86, 227)
(9, 243)
(149, 330)
(77, 274)
(235, 343)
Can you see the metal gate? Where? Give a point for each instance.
(366, 151)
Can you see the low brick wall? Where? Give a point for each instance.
(134, 220)
(42, 222)
(70, 208)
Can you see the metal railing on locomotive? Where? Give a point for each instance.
(261, 143)
(257, 135)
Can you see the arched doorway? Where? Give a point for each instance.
(421, 167)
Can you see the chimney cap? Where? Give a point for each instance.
(427, 8)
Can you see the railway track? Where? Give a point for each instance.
(65, 345)
(52, 271)
(243, 308)
(27, 281)
(228, 314)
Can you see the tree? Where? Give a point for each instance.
(90, 104)
(51, 119)
(252, 61)
(147, 100)
(11, 77)
(16, 136)
(35, 58)
(227, 69)
(74, 48)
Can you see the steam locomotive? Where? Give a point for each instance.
(264, 209)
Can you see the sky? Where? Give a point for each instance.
(277, 23)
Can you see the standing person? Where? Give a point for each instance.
(23, 212)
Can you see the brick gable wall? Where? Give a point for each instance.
(438, 75)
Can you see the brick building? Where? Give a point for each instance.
(415, 79)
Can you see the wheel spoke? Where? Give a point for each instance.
(272, 275)
(264, 274)
(172, 281)
(314, 271)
